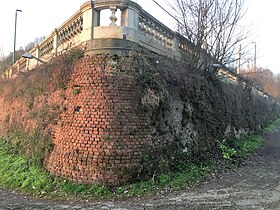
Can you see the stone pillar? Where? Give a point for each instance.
(88, 21)
(10, 72)
(55, 41)
(175, 46)
(27, 65)
(37, 55)
(130, 21)
(96, 18)
(18, 66)
(130, 18)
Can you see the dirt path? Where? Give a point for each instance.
(254, 186)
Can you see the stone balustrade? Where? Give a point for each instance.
(83, 29)
(155, 35)
(72, 29)
(46, 47)
(67, 36)
(137, 28)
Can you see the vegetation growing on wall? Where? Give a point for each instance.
(192, 111)
(28, 133)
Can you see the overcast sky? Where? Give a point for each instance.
(40, 18)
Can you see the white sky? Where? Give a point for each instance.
(40, 18)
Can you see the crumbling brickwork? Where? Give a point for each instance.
(103, 133)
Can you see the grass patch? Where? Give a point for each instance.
(245, 146)
(248, 144)
(272, 126)
(34, 146)
(17, 172)
(242, 147)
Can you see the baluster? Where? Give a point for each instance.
(141, 26)
(156, 33)
(149, 29)
(170, 42)
(81, 23)
(160, 36)
(113, 17)
(152, 33)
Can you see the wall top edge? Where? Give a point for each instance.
(122, 4)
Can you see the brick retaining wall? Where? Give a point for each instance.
(103, 133)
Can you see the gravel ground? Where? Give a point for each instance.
(254, 186)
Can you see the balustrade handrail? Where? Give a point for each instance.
(46, 40)
(69, 21)
(106, 4)
(156, 23)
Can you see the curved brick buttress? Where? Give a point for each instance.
(103, 134)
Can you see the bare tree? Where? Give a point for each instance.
(5, 61)
(33, 44)
(212, 25)
(265, 79)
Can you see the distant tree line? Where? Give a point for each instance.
(265, 79)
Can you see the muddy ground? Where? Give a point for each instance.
(254, 186)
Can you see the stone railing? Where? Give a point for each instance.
(154, 35)
(136, 28)
(83, 29)
(67, 36)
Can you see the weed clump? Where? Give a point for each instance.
(153, 87)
